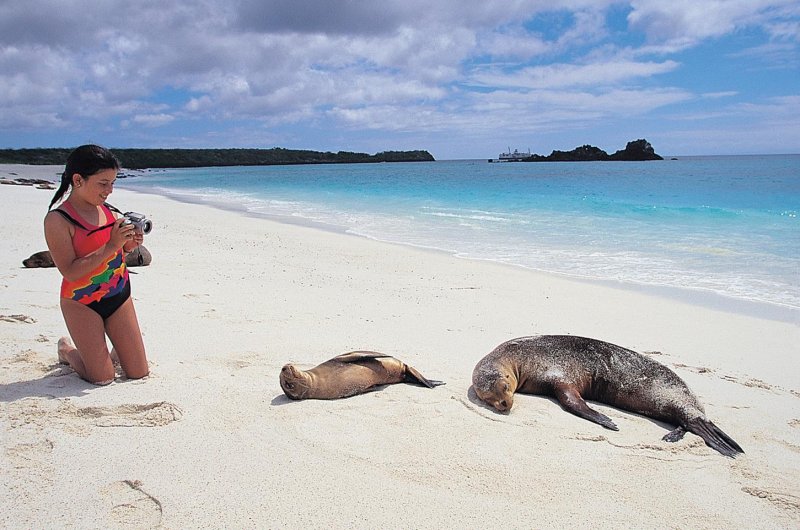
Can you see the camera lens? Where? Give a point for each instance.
(147, 225)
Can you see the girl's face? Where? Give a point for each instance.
(96, 188)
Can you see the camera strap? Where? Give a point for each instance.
(77, 223)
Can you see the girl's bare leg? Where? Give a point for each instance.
(123, 329)
(88, 356)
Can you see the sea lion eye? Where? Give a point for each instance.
(290, 386)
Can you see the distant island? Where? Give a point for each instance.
(175, 158)
(637, 150)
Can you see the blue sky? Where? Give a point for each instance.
(460, 78)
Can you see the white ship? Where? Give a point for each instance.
(515, 156)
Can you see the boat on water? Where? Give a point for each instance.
(509, 156)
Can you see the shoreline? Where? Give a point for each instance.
(696, 296)
(209, 438)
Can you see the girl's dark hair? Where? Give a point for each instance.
(85, 160)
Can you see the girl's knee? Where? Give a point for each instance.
(100, 375)
(137, 374)
(101, 378)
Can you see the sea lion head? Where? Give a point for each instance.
(39, 259)
(495, 387)
(295, 383)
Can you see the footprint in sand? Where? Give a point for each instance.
(131, 506)
(34, 460)
(47, 413)
(685, 447)
(787, 502)
(31, 357)
(752, 383)
(149, 415)
(695, 369)
(242, 360)
(17, 318)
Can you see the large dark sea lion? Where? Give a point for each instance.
(139, 257)
(347, 375)
(576, 368)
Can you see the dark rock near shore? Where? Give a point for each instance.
(637, 150)
(39, 183)
(584, 153)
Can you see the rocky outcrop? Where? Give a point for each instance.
(584, 153)
(637, 150)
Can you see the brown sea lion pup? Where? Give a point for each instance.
(349, 374)
(139, 257)
(576, 368)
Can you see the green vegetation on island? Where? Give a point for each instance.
(173, 158)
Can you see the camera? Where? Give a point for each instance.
(139, 222)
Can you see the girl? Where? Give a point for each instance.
(88, 245)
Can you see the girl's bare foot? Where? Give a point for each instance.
(64, 346)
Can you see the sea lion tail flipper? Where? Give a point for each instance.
(571, 400)
(413, 376)
(714, 437)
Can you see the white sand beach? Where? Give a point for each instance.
(208, 440)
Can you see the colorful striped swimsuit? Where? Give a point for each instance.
(105, 288)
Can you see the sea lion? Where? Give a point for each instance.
(139, 257)
(576, 368)
(39, 259)
(349, 374)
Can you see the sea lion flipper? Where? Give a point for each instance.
(355, 356)
(571, 400)
(674, 436)
(413, 376)
(714, 437)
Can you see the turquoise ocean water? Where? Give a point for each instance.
(724, 227)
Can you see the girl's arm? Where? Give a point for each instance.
(58, 234)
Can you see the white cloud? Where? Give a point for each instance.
(681, 23)
(571, 75)
(200, 104)
(409, 65)
(152, 120)
(719, 95)
(514, 44)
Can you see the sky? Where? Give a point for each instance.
(460, 78)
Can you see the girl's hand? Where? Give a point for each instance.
(121, 233)
(131, 244)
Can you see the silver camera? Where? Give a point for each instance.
(139, 222)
